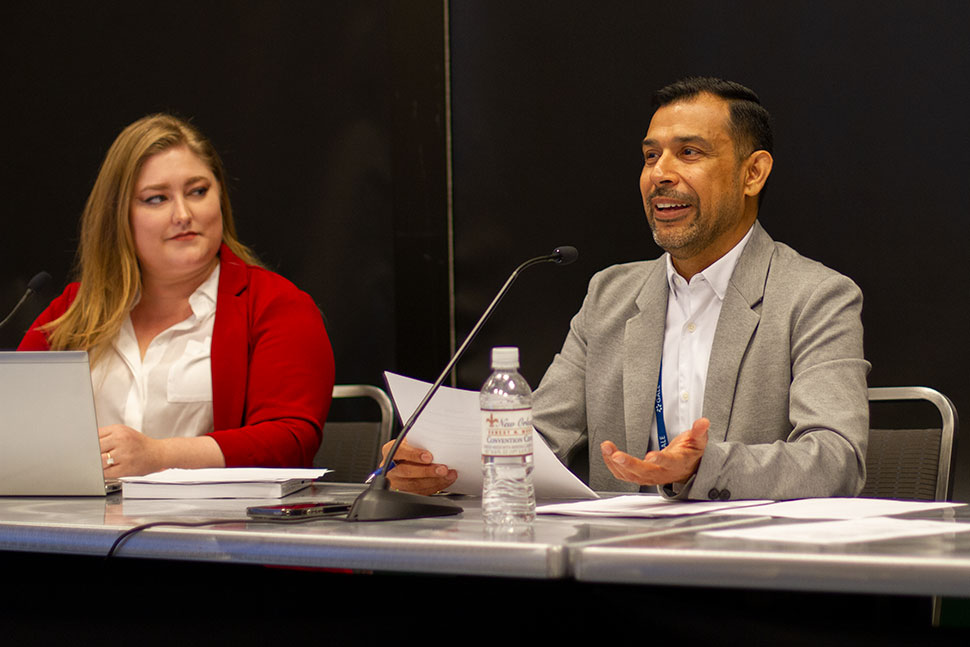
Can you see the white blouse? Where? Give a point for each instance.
(169, 392)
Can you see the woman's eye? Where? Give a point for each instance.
(199, 190)
(155, 199)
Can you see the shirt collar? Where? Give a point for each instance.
(203, 300)
(717, 274)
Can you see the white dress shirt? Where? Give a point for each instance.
(169, 392)
(692, 312)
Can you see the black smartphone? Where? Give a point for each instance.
(297, 510)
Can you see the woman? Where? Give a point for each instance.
(200, 357)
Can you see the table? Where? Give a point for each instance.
(445, 545)
(633, 551)
(565, 568)
(937, 565)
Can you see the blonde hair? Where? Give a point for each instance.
(107, 265)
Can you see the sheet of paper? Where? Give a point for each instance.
(841, 508)
(226, 475)
(842, 532)
(450, 429)
(641, 506)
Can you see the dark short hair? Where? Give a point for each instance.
(750, 121)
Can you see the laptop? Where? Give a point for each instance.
(48, 428)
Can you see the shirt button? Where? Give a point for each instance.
(691, 327)
(685, 396)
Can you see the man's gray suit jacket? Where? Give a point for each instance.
(786, 384)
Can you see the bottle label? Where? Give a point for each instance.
(507, 432)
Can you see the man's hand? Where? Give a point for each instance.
(674, 464)
(415, 471)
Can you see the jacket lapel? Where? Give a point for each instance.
(735, 326)
(642, 350)
(230, 343)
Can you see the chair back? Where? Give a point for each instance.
(352, 448)
(911, 463)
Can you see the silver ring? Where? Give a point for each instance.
(110, 461)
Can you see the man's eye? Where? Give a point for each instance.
(690, 152)
(650, 157)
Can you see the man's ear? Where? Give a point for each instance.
(756, 171)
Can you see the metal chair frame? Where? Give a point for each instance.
(376, 394)
(948, 415)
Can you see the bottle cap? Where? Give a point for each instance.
(505, 357)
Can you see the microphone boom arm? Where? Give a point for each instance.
(367, 507)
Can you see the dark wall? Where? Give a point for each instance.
(319, 110)
(330, 117)
(551, 100)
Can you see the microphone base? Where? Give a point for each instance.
(378, 504)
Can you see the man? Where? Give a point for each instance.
(753, 352)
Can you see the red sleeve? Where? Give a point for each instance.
(36, 339)
(288, 381)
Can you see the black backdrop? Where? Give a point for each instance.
(872, 158)
(331, 119)
(328, 116)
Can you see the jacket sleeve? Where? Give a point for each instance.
(286, 382)
(824, 454)
(36, 340)
(559, 403)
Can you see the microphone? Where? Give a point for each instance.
(35, 285)
(377, 502)
(565, 255)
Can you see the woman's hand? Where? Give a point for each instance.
(127, 452)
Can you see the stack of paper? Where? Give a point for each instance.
(842, 508)
(219, 483)
(641, 506)
(846, 531)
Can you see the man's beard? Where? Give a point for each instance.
(692, 238)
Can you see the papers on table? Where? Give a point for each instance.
(858, 520)
(219, 483)
(842, 532)
(641, 506)
(638, 505)
(841, 508)
(450, 429)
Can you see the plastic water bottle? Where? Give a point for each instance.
(508, 496)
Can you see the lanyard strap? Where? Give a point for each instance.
(661, 426)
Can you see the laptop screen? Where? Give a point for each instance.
(48, 428)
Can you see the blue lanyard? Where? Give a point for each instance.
(661, 426)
